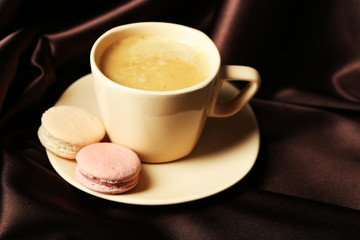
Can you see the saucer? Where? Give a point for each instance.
(225, 153)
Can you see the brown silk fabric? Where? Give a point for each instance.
(306, 181)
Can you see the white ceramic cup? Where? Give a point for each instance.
(163, 126)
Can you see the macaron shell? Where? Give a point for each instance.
(109, 161)
(72, 125)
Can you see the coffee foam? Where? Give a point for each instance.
(163, 48)
(154, 63)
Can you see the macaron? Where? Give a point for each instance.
(107, 168)
(65, 130)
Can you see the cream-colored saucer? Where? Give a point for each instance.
(225, 153)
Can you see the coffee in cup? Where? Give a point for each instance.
(156, 63)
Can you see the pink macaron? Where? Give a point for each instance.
(107, 168)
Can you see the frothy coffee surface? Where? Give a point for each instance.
(154, 63)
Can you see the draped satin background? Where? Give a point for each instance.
(306, 181)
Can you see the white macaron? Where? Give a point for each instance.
(65, 130)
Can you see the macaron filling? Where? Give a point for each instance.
(109, 183)
(57, 146)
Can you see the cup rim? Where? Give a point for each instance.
(202, 84)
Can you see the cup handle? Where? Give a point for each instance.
(233, 73)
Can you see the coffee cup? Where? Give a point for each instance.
(156, 84)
